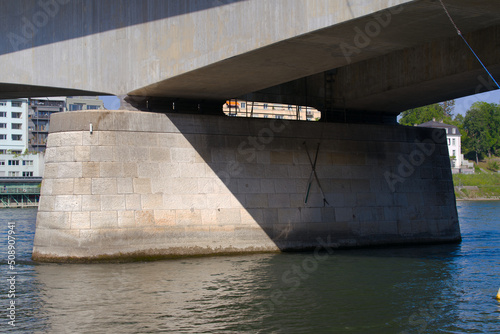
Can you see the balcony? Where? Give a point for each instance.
(38, 142)
(40, 129)
(59, 104)
(40, 116)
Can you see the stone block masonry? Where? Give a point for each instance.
(147, 185)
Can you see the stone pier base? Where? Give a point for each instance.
(125, 185)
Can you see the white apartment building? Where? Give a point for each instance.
(15, 159)
(13, 124)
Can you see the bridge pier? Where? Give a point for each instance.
(126, 185)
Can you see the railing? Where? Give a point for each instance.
(39, 144)
(44, 116)
(32, 190)
(46, 103)
(41, 129)
(19, 201)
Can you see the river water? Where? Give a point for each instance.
(428, 289)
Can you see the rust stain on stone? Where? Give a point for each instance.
(102, 116)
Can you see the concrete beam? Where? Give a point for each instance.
(439, 70)
(141, 47)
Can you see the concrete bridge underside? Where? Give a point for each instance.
(369, 59)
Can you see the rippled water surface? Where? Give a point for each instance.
(429, 289)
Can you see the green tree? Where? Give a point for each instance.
(459, 119)
(482, 125)
(439, 111)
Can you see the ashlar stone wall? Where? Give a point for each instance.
(123, 185)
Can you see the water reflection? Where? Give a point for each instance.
(160, 296)
(360, 291)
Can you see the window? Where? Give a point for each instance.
(290, 107)
(27, 173)
(3, 137)
(454, 131)
(3, 104)
(243, 105)
(93, 107)
(2, 162)
(278, 116)
(454, 142)
(449, 141)
(3, 114)
(3, 151)
(17, 126)
(76, 107)
(17, 137)
(17, 115)
(16, 152)
(17, 104)
(454, 153)
(3, 126)
(13, 162)
(13, 174)
(27, 162)
(265, 106)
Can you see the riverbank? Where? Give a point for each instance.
(477, 187)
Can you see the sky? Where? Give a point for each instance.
(461, 105)
(110, 102)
